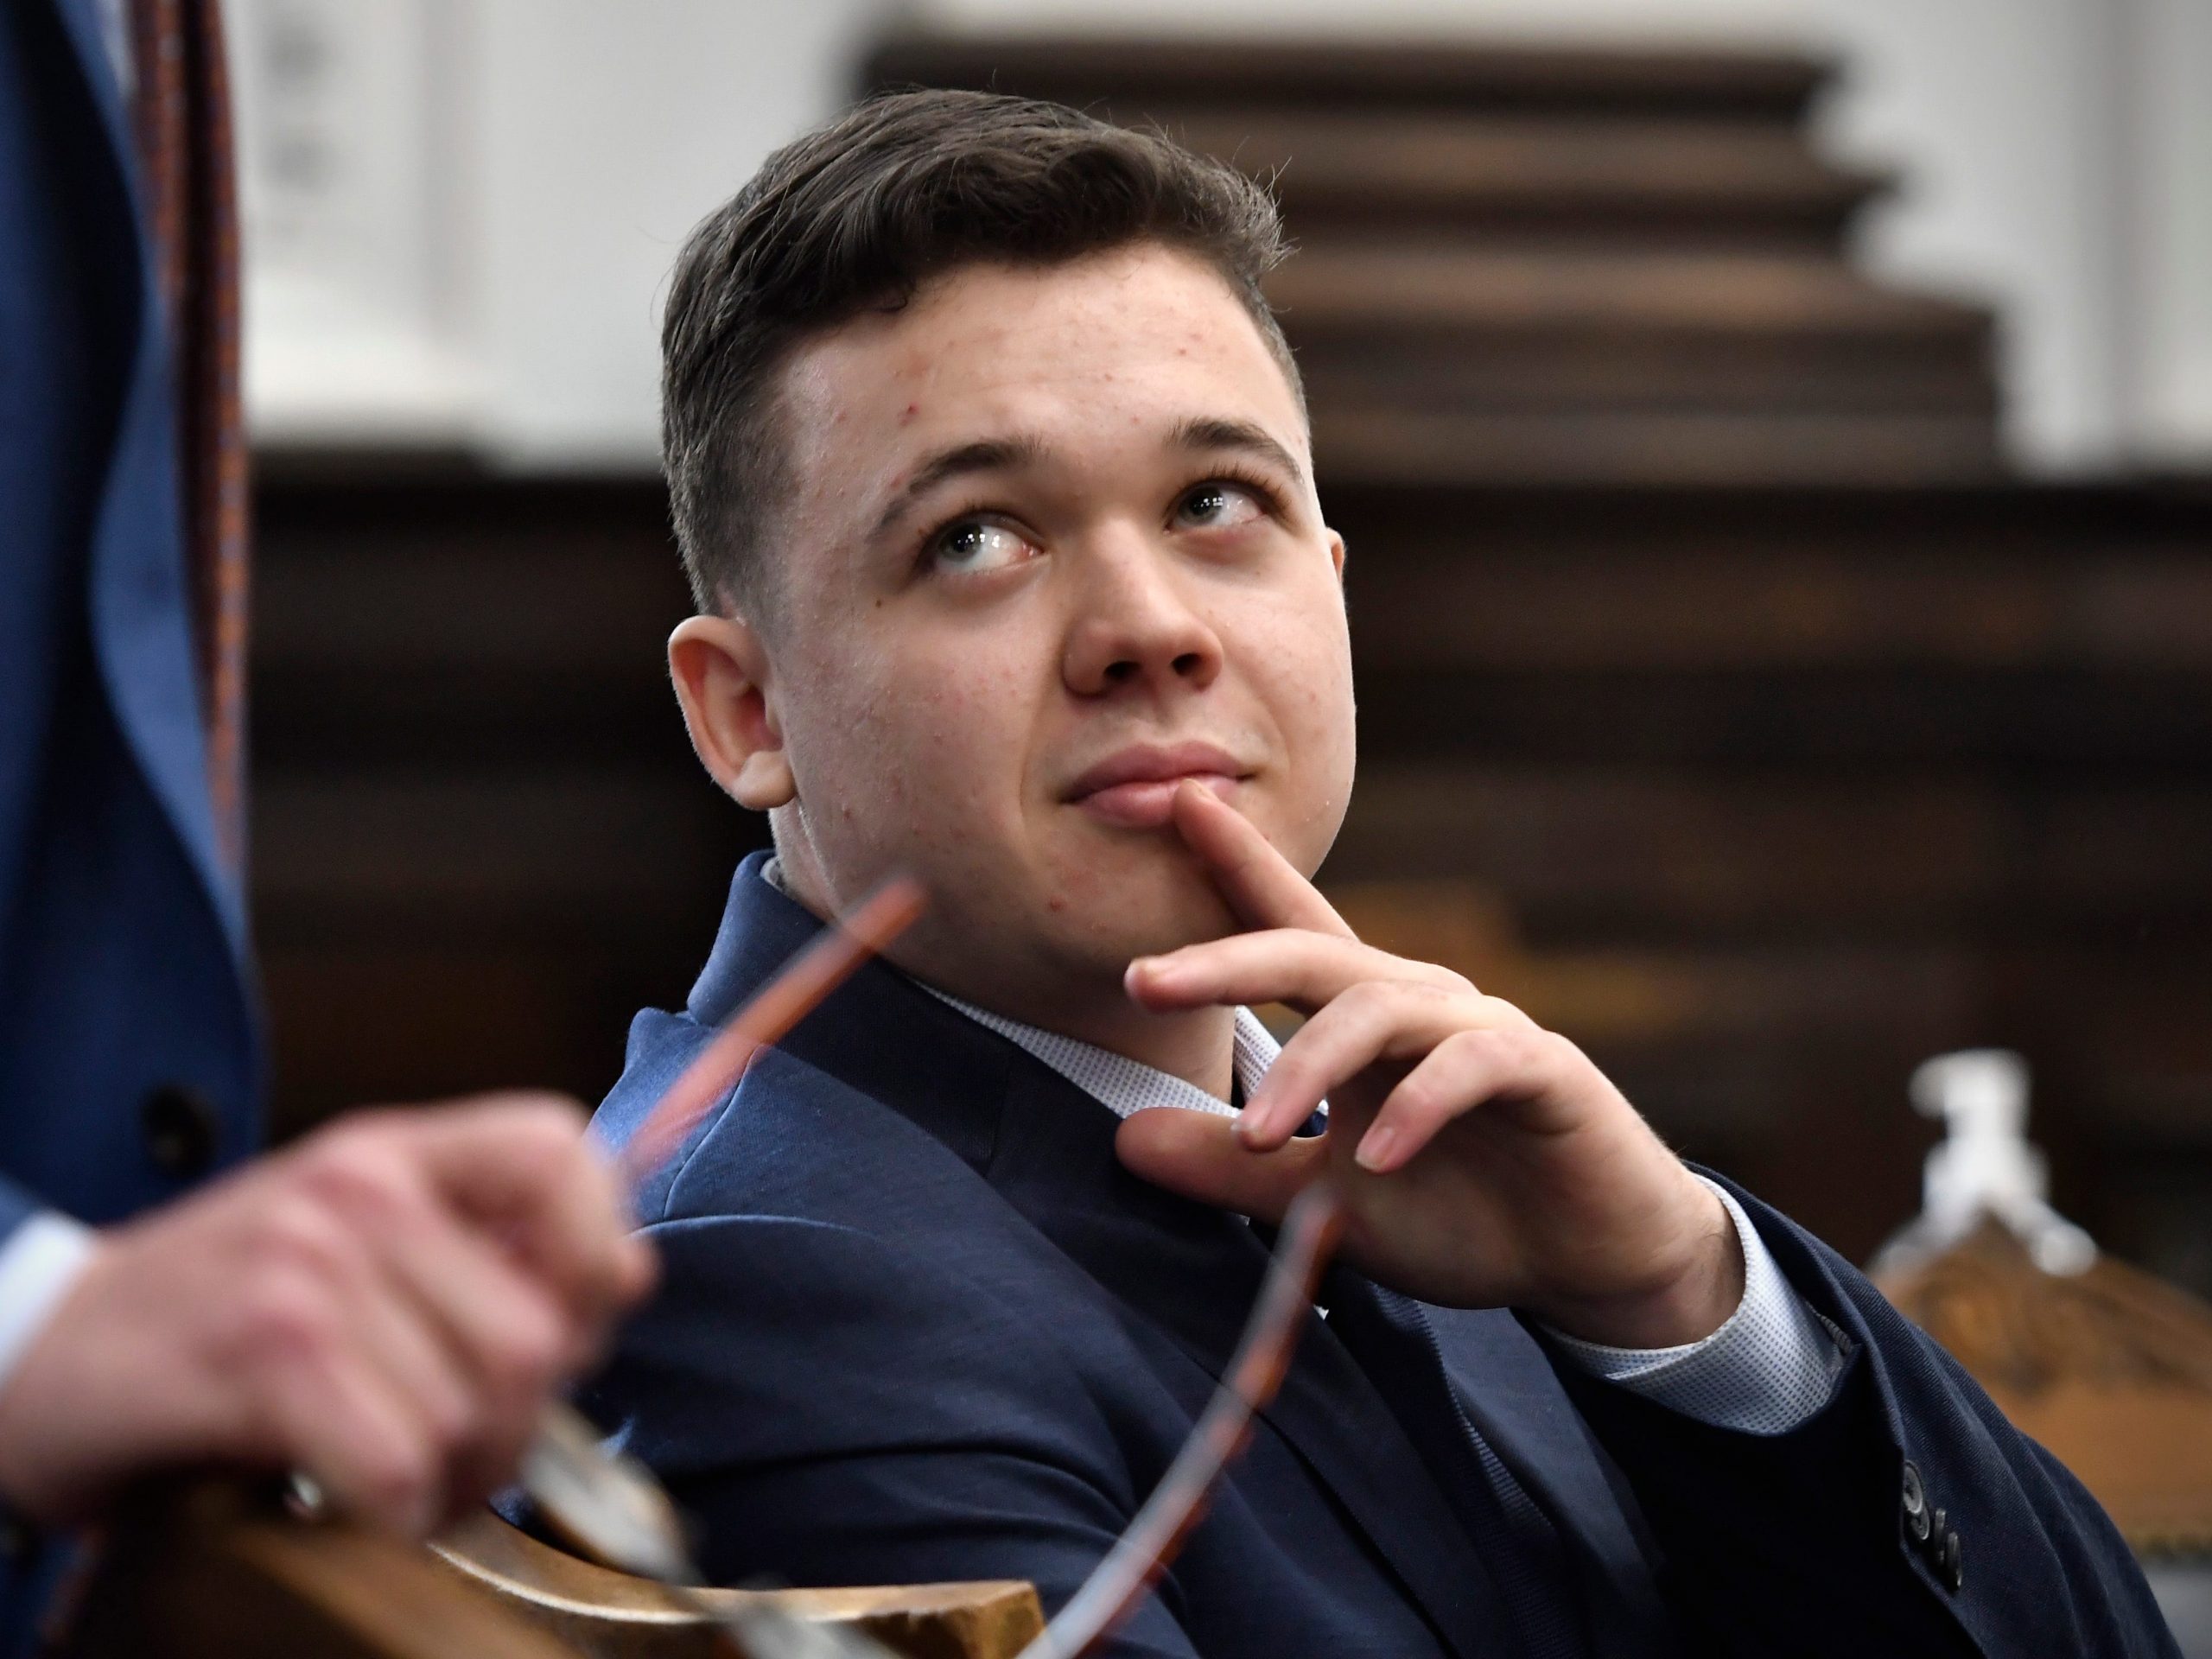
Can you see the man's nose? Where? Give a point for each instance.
(1135, 626)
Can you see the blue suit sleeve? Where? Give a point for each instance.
(1799, 1541)
(831, 1410)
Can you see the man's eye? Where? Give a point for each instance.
(1219, 505)
(978, 545)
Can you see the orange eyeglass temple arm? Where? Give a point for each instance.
(775, 1008)
(1140, 1555)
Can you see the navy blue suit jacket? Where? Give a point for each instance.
(121, 933)
(917, 1324)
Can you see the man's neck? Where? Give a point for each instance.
(1198, 1046)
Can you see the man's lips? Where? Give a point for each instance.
(1135, 787)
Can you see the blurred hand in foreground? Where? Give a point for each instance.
(384, 1306)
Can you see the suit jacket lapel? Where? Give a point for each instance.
(140, 634)
(1195, 1273)
(1505, 1384)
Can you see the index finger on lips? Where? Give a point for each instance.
(521, 1167)
(1263, 888)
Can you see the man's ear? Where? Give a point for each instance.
(1336, 553)
(721, 670)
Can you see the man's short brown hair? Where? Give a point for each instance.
(856, 217)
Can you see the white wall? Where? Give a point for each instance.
(2165, 302)
(508, 181)
(605, 131)
(1998, 115)
(351, 330)
(479, 255)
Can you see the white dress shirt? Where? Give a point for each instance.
(39, 1265)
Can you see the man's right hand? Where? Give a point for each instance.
(384, 1306)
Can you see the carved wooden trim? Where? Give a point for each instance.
(610, 1615)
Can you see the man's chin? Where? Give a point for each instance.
(1117, 916)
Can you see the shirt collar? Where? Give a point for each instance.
(1121, 1084)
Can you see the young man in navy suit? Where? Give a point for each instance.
(991, 472)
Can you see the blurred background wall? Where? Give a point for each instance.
(1773, 435)
(463, 208)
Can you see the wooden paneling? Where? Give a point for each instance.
(1525, 181)
(1527, 266)
(1761, 795)
(480, 840)
(1129, 77)
(2007, 579)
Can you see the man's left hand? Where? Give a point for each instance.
(1485, 1161)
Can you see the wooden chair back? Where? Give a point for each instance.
(218, 1569)
(610, 1615)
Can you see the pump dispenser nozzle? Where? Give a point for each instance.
(1984, 1164)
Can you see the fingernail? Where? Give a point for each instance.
(1375, 1148)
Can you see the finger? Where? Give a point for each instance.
(1293, 965)
(1373, 1020)
(1465, 1072)
(1263, 888)
(513, 1334)
(370, 1188)
(319, 1298)
(1198, 1155)
(387, 1332)
(342, 1423)
(474, 1426)
(520, 1166)
(515, 1340)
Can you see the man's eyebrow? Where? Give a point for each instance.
(1214, 432)
(982, 455)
